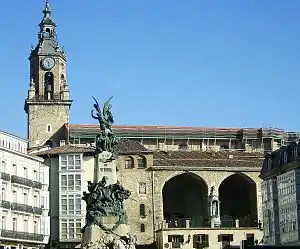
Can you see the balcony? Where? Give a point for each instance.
(22, 235)
(5, 176)
(5, 204)
(37, 185)
(21, 180)
(37, 210)
(22, 207)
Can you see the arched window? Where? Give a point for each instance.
(142, 210)
(49, 143)
(142, 162)
(129, 163)
(49, 84)
(142, 228)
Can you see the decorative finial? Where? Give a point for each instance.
(47, 11)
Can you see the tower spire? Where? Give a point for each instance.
(47, 10)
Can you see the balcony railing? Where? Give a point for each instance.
(5, 176)
(37, 210)
(22, 207)
(37, 185)
(21, 180)
(5, 204)
(22, 235)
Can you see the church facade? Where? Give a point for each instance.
(191, 186)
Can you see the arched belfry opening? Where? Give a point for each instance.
(238, 200)
(185, 198)
(49, 85)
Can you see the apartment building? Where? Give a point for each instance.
(24, 196)
(281, 196)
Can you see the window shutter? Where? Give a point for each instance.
(169, 238)
(230, 237)
(181, 238)
(194, 240)
(219, 237)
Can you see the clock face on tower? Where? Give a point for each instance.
(48, 63)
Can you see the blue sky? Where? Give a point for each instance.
(193, 63)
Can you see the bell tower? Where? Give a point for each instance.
(48, 102)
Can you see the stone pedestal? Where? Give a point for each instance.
(105, 165)
(95, 237)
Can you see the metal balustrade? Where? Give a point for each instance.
(22, 235)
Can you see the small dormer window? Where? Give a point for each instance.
(142, 162)
(129, 163)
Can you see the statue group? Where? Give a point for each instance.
(105, 202)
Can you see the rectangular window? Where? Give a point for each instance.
(25, 198)
(64, 229)
(70, 229)
(35, 201)
(71, 204)
(43, 230)
(3, 166)
(200, 241)
(35, 175)
(3, 222)
(25, 172)
(42, 177)
(70, 162)
(142, 188)
(14, 196)
(26, 225)
(14, 224)
(14, 169)
(70, 182)
(3, 194)
(35, 227)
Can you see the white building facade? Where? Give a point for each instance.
(25, 222)
(281, 196)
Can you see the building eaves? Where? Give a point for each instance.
(123, 147)
(207, 159)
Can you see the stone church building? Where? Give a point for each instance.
(191, 187)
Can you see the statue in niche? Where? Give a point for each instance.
(214, 208)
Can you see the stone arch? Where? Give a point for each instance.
(238, 197)
(184, 197)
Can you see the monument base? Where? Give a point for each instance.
(96, 237)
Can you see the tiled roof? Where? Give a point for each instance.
(123, 147)
(126, 146)
(66, 149)
(207, 159)
(90, 130)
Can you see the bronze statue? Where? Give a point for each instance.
(105, 200)
(106, 139)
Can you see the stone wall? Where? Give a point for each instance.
(155, 179)
(46, 122)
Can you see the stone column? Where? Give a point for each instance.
(105, 166)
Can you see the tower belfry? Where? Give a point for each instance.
(48, 102)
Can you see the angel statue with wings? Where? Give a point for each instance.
(106, 139)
